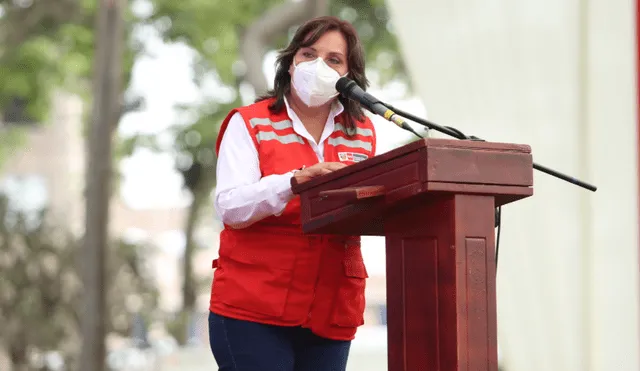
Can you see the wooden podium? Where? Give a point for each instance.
(434, 200)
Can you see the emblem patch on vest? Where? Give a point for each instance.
(352, 156)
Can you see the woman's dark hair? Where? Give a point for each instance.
(306, 35)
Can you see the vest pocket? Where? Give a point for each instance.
(253, 281)
(349, 303)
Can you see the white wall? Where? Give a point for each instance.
(560, 76)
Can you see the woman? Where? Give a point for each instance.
(282, 300)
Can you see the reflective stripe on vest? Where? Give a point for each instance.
(279, 125)
(294, 138)
(270, 135)
(349, 143)
(284, 139)
(359, 131)
(287, 124)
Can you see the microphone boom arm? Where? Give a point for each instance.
(459, 135)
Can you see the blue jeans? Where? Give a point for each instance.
(247, 346)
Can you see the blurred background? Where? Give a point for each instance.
(560, 76)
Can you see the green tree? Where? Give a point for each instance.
(49, 45)
(41, 287)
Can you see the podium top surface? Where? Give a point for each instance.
(455, 160)
(357, 198)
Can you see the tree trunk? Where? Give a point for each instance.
(189, 289)
(106, 106)
(263, 32)
(18, 356)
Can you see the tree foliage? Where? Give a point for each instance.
(41, 287)
(372, 21)
(49, 45)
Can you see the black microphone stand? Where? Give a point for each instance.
(453, 132)
(459, 135)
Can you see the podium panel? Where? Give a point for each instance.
(434, 201)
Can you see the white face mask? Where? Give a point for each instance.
(315, 82)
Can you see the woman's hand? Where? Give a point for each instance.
(317, 170)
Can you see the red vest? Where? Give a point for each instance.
(270, 272)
